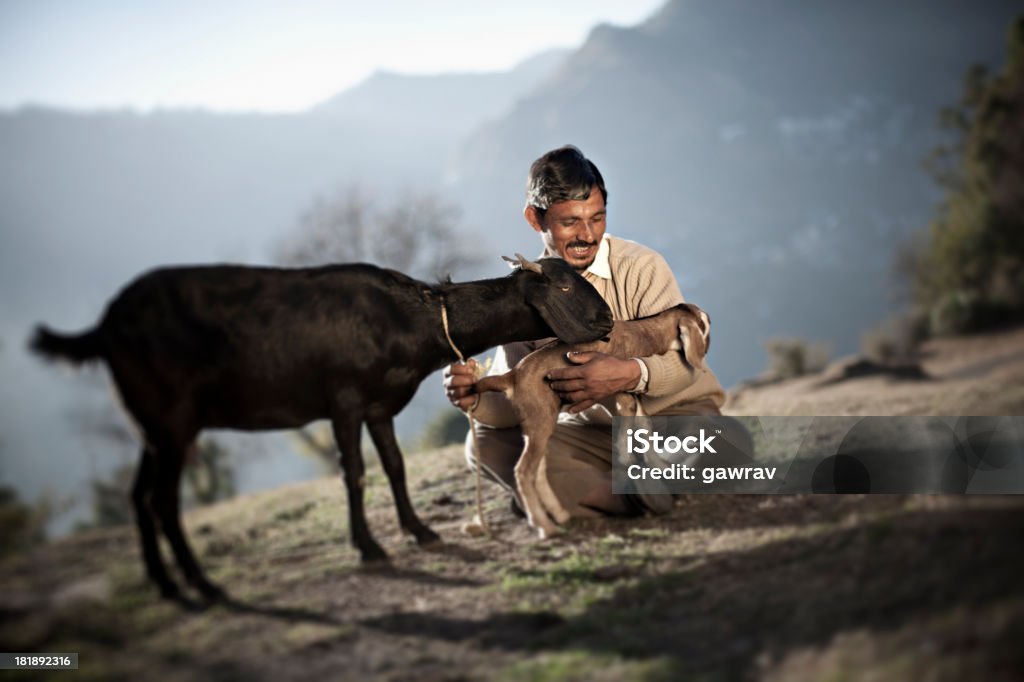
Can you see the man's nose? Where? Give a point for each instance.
(585, 231)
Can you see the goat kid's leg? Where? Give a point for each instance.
(142, 500)
(383, 434)
(170, 462)
(346, 433)
(548, 500)
(536, 437)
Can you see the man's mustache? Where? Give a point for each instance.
(579, 242)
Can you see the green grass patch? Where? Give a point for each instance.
(584, 665)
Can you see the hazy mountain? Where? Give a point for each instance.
(90, 199)
(772, 150)
(99, 196)
(448, 104)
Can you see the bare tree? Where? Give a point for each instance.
(416, 235)
(209, 476)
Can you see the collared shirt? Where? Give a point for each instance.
(601, 267)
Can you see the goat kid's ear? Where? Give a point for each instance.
(695, 335)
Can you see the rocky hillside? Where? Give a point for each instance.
(724, 587)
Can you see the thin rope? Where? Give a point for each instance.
(479, 522)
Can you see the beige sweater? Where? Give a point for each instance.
(635, 281)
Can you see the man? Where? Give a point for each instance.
(565, 205)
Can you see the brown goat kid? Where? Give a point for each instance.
(684, 327)
(270, 348)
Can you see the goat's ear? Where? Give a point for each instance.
(695, 335)
(521, 262)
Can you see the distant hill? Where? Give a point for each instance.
(90, 199)
(772, 150)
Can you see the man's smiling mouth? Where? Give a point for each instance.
(579, 249)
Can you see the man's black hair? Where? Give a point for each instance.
(560, 175)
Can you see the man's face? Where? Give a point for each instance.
(573, 229)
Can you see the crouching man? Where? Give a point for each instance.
(565, 205)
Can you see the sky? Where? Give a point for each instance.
(267, 55)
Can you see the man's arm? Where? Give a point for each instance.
(492, 408)
(650, 288)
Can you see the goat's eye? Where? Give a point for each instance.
(565, 288)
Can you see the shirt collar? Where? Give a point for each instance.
(601, 267)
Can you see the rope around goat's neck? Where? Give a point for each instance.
(479, 523)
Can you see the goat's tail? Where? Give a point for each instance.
(75, 348)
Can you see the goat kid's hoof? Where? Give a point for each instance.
(560, 515)
(548, 532)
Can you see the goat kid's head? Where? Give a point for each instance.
(694, 334)
(569, 305)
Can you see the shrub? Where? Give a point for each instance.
(449, 426)
(790, 358)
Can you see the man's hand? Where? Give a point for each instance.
(459, 382)
(594, 376)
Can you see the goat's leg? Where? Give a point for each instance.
(536, 434)
(346, 433)
(142, 500)
(383, 434)
(170, 462)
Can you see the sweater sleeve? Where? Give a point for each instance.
(655, 289)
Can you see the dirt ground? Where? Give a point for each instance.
(798, 587)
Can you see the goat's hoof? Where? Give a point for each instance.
(373, 555)
(170, 591)
(425, 536)
(212, 594)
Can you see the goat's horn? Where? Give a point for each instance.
(529, 265)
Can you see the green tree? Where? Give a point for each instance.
(22, 525)
(208, 477)
(967, 270)
(449, 426)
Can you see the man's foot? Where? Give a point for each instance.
(603, 500)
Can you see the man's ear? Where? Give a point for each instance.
(532, 217)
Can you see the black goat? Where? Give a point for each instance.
(268, 348)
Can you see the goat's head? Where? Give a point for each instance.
(569, 305)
